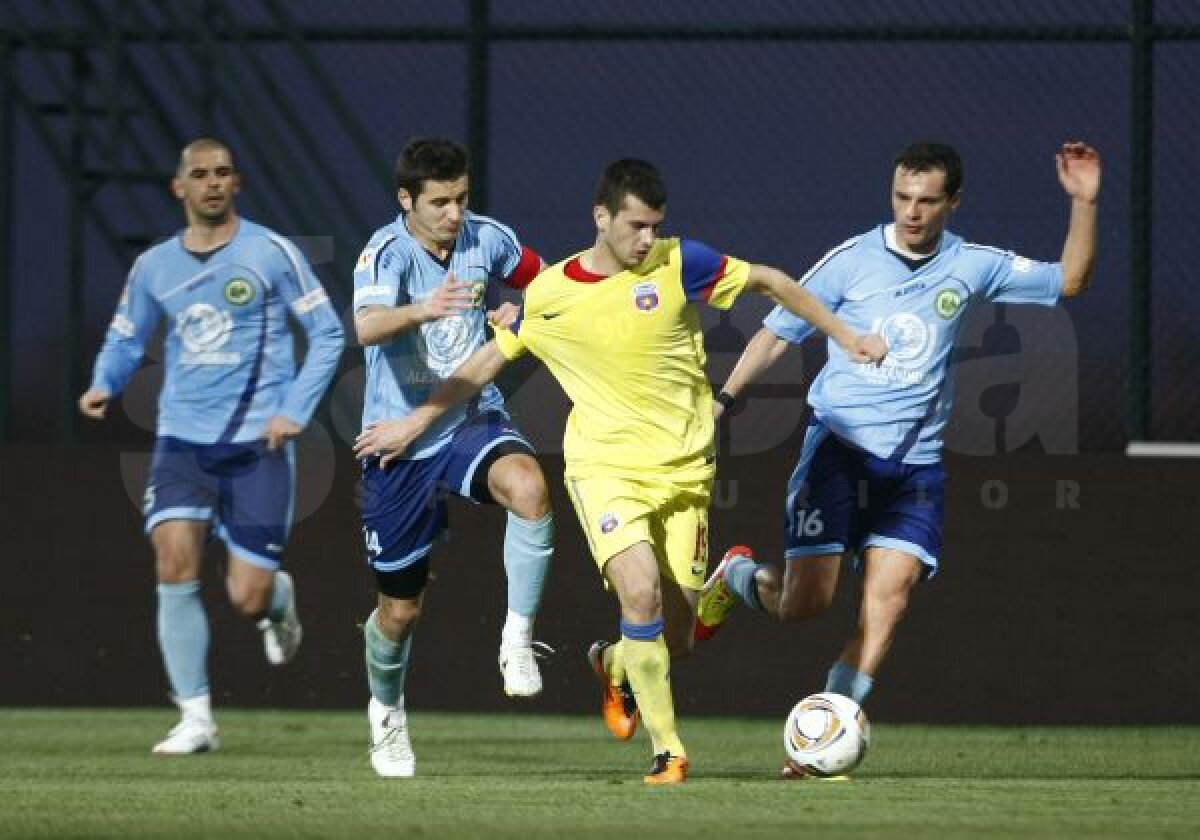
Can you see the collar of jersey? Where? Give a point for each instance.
(574, 270)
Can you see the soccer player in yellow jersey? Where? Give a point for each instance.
(619, 328)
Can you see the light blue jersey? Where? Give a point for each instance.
(230, 365)
(899, 409)
(396, 270)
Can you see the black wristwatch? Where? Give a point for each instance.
(725, 399)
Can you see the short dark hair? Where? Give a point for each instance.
(201, 144)
(926, 156)
(429, 159)
(630, 176)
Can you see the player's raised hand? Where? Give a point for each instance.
(1079, 170)
(868, 349)
(94, 403)
(389, 439)
(451, 298)
(504, 316)
(280, 430)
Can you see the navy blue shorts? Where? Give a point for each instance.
(404, 506)
(243, 489)
(842, 499)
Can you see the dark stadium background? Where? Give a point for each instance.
(1070, 570)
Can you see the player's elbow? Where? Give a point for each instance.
(1076, 283)
(766, 280)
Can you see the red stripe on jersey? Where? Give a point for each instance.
(527, 268)
(575, 270)
(707, 291)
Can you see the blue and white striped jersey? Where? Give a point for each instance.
(396, 270)
(899, 409)
(230, 364)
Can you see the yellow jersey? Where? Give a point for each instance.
(629, 352)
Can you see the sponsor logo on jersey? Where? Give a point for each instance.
(645, 296)
(239, 291)
(608, 523)
(947, 303)
(204, 330)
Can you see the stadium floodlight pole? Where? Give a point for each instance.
(1141, 150)
(478, 100)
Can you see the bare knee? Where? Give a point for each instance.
(522, 489)
(250, 595)
(176, 560)
(396, 616)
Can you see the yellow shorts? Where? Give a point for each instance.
(616, 513)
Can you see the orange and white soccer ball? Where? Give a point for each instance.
(826, 734)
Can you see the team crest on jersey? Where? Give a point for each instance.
(645, 296)
(947, 303)
(608, 523)
(239, 291)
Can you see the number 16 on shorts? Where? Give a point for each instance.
(809, 523)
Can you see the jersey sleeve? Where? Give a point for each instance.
(509, 341)
(379, 276)
(709, 276)
(1015, 279)
(513, 263)
(827, 282)
(128, 333)
(304, 296)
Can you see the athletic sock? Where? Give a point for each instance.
(648, 668)
(183, 638)
(739, 577)
(846, 681)
(528, 545)
(387, 663)
(281, 596)
(614, 662)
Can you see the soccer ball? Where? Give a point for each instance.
(826, 734)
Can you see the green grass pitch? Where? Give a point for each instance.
(88, 773)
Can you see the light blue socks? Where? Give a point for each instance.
(183, 638)
(739, 577)
(387, 663)
(846, 681)
(281, 596)
(527, 549)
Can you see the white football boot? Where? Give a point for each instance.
(195, 732)
(281, 639)
(391, 751)
(518, 666)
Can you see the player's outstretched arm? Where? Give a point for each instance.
(763, 351)
(802, 303)
(380, 324)
(1079, 172)
(391, 438)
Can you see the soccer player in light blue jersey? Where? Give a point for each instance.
(869, 482)
(419, 296)
(230, 404)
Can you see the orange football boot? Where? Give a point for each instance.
(618, 706)
(668, 770)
